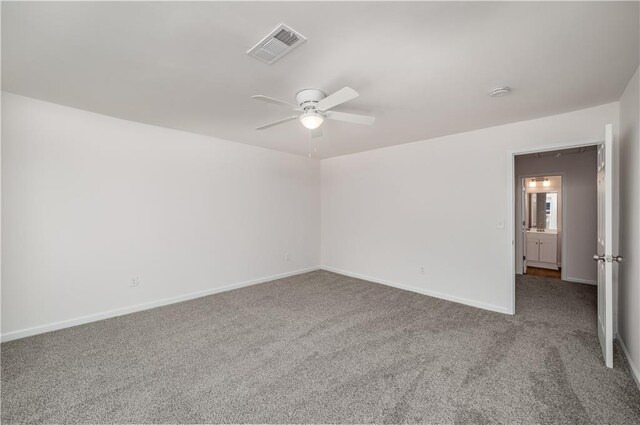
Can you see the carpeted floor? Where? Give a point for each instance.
(325, 348)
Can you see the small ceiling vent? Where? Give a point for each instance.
(278, 43)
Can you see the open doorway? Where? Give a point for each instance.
(542, 217)
(556, 214)
(588, 233)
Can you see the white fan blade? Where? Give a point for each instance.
(273, 124)
(341, 96)
(272, 100)
(316, 133)
(354, 118)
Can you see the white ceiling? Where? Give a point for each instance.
(423, 69)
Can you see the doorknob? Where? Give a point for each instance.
(608, 258)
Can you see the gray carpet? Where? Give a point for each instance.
(324, 348)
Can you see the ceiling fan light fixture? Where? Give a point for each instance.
(311, 120)
(317, 106)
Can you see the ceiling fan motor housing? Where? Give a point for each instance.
(309, 97)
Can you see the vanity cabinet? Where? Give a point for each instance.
(542, 250)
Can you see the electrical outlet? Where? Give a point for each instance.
(287, 257)
(422, 270)
(135, 282)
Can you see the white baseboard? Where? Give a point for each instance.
(435, 294)
(578, 280)
(22, 333)
(635, 371)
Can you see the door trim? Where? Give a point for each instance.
(511, 182)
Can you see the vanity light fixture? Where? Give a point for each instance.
(532, 183)
(546, 183)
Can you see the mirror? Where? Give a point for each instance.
(543, 210)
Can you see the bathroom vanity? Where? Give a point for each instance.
(541, 226)
(542, 249)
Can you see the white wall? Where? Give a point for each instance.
(580, 200)
(89, 202)
(628, 291)
(439, 203)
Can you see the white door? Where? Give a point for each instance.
(604, 256)
(523, 215)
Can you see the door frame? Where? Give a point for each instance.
(563, 205)
(511, 182)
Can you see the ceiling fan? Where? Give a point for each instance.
(315, 107)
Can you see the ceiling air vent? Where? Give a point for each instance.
(278, 43)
